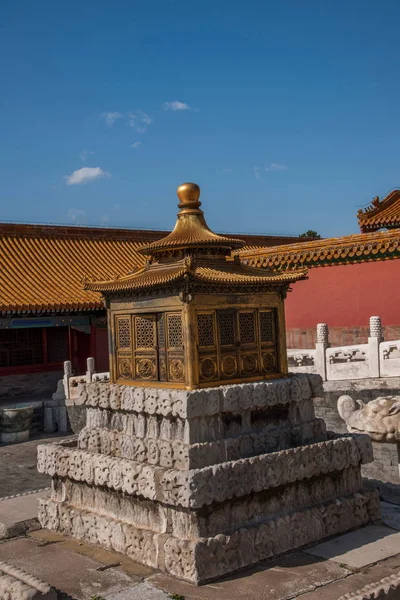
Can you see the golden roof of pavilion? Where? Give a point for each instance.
(381, 213)
(192, 253)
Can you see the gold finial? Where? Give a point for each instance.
(188, 194)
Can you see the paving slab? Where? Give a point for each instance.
(18, 514)
(360, 548)
(106, 557)
(278, 579)
(18, 472)
(354, 582)
(76, 576)
(141, 591)
(391, 515)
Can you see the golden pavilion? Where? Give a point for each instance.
(194, 315)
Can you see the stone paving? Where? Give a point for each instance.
(18, 472)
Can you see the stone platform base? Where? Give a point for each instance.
(204, 559)
(202, 483)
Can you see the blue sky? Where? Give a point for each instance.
(286, 113)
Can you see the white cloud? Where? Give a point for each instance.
(228, 170)
(83, 154)
(139, 120)
(85, 175)
(256, 171)
(176, 105)
(111, 117)
(76, 215)
(105, 219)
(135, 144)
(276, 167)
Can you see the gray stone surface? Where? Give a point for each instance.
(18, 472)
(12, 386)
(75, 575)
(391, 515)
(360, 548)
(19, 514)
(387, 588)
(16, 584)
(279, 579)
(140, 591)
(355, 581)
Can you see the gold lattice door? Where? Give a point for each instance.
(249, 361)
(145, 347)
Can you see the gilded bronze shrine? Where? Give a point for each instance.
(195, 316)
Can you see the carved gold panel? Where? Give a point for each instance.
(229, 366)
(145, 347)
(208, 368)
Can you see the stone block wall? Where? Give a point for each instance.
(386, 461)
(338, 336)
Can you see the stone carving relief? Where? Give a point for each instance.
(380, 418)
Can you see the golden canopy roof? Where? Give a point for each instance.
(193, 255)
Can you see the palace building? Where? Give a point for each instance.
(48, 313)
(350, 278)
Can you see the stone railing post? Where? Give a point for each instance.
(67, 375)
(90, 368)
(375, 338)
(320, 349)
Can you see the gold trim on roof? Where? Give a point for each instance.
(227, 273)
(191, 229)
(381, 213)
(192, 254)
(361, 247)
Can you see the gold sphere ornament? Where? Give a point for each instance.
(188, 193)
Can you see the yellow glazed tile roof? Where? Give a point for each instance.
(362, 247)
(381, 213)
(193, 253)
(226, 273)
(43, 268)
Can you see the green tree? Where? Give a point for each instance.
(311, 234)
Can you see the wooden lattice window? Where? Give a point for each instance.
(175, 333)
(266, 326)
(123, 332)
(247, 328)
(226, 326)
(145, 332)
(205, 326)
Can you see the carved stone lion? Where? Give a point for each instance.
(380, 418)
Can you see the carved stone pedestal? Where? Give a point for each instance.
(202, 483)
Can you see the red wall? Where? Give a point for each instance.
(101, 351)
(346, 296)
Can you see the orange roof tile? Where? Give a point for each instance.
(381, 213)
(42, 267)
(361, 247)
